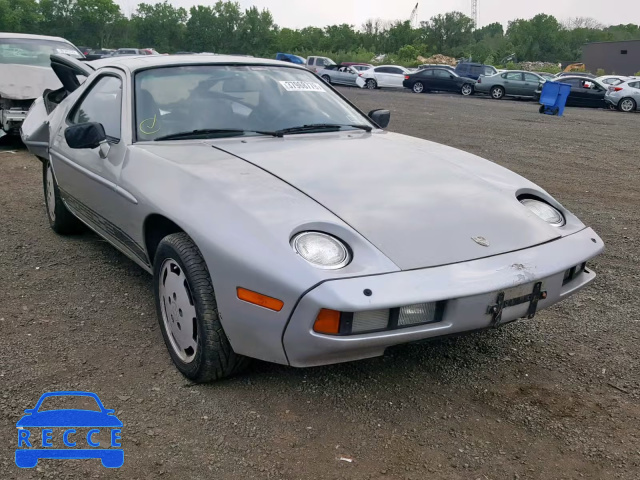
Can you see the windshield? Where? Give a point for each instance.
(248, 99)
(28, 51)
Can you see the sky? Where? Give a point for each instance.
(320, 13)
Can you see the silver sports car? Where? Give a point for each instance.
(210, 172)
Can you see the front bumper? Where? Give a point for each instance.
(468, 289)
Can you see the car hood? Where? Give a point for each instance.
(69, 418)
(26, 82)
(420, 203)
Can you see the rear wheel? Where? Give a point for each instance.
(327, 79)
(372, 84)
(188, 313)
(418, 87)
(627, 105)
(61, 220)
(497, 93)
(467, 89)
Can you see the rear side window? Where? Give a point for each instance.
(103, 104)
(426, 73)
(514, 76)
(395, 70)
(574, 82)
(477, 70)
(634, 85)
(463, 68)
(311, 60)
(528, 77)
(382, 70)
(488, 71)
(441, 73)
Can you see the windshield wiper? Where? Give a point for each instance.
(212, 132)
(320, 126)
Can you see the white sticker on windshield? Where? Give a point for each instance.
(302, 86)
(67, 51)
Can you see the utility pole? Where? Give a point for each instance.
(474, 13)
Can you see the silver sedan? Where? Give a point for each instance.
(510, 84)
(212, 174)
(339, 74)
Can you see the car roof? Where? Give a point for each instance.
(33, 37)
(134, 63)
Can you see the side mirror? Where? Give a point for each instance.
(380, 117)
(87, 135)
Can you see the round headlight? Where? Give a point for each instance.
(545, 211)
(321, 250)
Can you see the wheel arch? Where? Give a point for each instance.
(154, 229)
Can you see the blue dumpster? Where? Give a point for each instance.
(554, 97)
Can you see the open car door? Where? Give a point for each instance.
(35, 128)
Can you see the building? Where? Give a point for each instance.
(621, 58)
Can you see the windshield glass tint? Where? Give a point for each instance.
(249, 98)
(33, 51)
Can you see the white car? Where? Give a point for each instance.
(613, 79)
(383, 76)
(624, 96)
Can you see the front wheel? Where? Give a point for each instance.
(627, 105)
(327, 79)
(467, 89)
(418, 87)
(61, 220)
(188, 313)
(371, 84)
(497, 93)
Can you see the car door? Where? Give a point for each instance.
(380, 75)
(426, 77)
(576, 96)
(87, 181)
(513, 83)
(531, 84)
(342, 75)
(395, 77)
(594, 94)
(442, 80)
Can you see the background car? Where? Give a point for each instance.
(289, 57)
(435, 65)
(585, 92)
(474, 70)
(513, 83)
(613, 79)
(25, 72)
(624, 96)
(575, 74)
(122, 52)
(339, 74)
(318, 63)
(545, 75)
(99, 53)
(384, 76)
(438, 79)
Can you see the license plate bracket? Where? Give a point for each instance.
(495, 310)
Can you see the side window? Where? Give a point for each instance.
(488, 71)
(635, 85)
(441, 73)
(311, 60)
(426, 73)
(574, 82)
(103, 104)
(397, 71)
(530, 78)
(382, 70)
(477, 70)
(514, 76)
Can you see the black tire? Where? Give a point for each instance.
(418, 87)
(497, 93)
(327, 79)
(627, 105)
(214, 358)
(541, 109)
(371, 84)
(61, 220)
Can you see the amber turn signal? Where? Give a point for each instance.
(259, 299)
(327, 321)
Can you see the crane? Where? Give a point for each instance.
(414, 17)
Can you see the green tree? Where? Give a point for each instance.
(160, 26)
(95, 22)
(257, 32)
(449, 34)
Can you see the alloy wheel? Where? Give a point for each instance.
(51, 195)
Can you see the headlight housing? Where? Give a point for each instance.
(545, 211)
(321, 250)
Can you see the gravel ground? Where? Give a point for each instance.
(556, 397)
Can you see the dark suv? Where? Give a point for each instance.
(474, 70)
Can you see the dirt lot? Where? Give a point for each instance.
(557, 397)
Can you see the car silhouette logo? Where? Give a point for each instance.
(78, 445)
